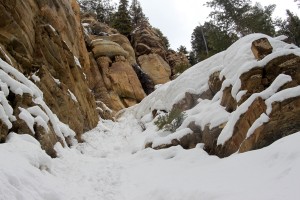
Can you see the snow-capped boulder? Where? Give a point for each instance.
(252, 104)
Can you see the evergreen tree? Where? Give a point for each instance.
(239, 16)
(209, 39)
(103, 9)
(258, 20)
(122, 20)
(228, 13)
(136, 13)
(291, 28)
(182, 49)
(164, 38)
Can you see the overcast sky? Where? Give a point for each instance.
(178, 18)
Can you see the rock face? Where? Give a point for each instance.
(146, 40)
(178, 62)
(153, 56)
(44, 40)
(157, 68)
(111, 76)
(258, 105)
(261, 48)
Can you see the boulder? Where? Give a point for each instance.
(261, 48)
(284, 120)
(178, 61)
(125, 81)
(146, 40)
(107, 48)
(156, 67)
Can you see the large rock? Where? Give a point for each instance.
(177, 61)
(156, 67)
(107, 48)
(45, 39)
(111, 76)
(261, 48)
(146, 40)
(122, 87)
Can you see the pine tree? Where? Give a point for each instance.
(103, 9)
(182, 49)
(164, 38)
(210, 39)
(228, 13)
(290, 27)
(122, 20)
(239, 16)
(136, 13)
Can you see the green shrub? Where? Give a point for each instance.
(180, 68)
(170, 121)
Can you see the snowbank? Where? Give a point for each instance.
(231, 64)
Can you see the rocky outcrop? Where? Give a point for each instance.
(258, 105)
(261, 48)
(178, 62)
(44, 40)
(146, 40)
(157, 68)
(153, 56)
(111, 77)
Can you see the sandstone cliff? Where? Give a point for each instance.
(44, 41)
(122, 72)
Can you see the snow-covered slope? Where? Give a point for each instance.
(105, 167)
(233, 62)
(112, 163)
(232, 65)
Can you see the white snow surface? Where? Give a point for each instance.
(112, 165)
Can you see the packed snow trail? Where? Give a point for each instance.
(112, 165)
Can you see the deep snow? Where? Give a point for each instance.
(112, 166)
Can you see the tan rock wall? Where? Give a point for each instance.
(42, 38)
(156, 67)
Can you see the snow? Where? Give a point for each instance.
(57, 81)
(73, 97)
(52, 28)
(258, 122)
(206, 112)
(19, 85)
(77, 62)
(35, 77)
(11, 80)
(112, 163)
(171, 136)
(235, 116)
(27, 117)
(281, 96)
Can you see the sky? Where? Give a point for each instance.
(178, 18)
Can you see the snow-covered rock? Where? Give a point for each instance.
(233, 101)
